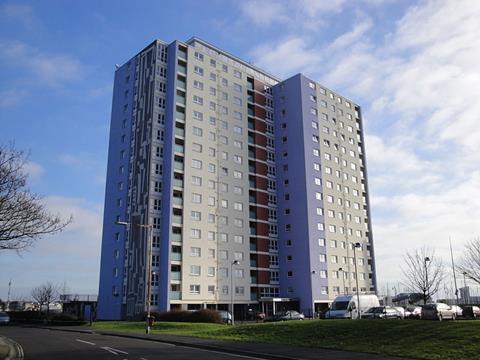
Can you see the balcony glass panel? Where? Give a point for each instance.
(176, 256)
(175, 295)
(177, 237)
(178, 182)
(176, 275)
(177, 219)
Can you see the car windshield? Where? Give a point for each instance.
(3, 313)
(339, 305)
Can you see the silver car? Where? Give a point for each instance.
(4, 318)
(438, 311)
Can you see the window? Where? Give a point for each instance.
(194, 289)
(195, 270)
(314, 124)
(195, 233)
(198, 70)
(239, 290)
(316, 166)
(196, 215)
(197, 131)
(237, 174)
(238, 130)
(332, 228)
(198, 56)
(196, 164)
(311, 85)
(198, 84)
(322, 258)
(196, 180)
(196, 198)
(238, 206)
(238, 239)
(237, 74)
(211, 271)
(195, 252)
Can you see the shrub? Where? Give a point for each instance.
(205, 316)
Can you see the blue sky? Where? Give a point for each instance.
(412, 65)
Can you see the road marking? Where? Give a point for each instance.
(228, 353)
(113, 350)
(85, 342)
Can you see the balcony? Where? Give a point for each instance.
(177, 201)
(180, 99)
(176, 275)
(176, 237)
(253, 279)
(176, 256)
(178, 165)
(175, 295)
(177, 219)
(181, 69)
(253, 263)
(178, 183)
(179, 149)
(181, 84)
(180, 132)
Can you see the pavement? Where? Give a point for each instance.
(9, 349)
(245, 349)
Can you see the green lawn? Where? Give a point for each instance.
(408, 338)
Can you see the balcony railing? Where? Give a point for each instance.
(176, 275)
(175, 295)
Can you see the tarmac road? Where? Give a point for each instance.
(44, 344)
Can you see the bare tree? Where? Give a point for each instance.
(423, 272)
(23, 216)
(46, 294)
(469, 264)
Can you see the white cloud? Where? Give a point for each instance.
(418, 86)
(71, 255)
(295, 49)
(18, 13)
(262, 14)
(34, 170)
(352, 36)
(10, 98)
(51, 69)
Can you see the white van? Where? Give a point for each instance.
(345, 306)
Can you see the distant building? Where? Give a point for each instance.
(254, 188)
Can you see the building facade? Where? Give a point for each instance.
(221, 191)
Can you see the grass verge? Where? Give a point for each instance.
(413, 339)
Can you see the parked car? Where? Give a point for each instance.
(381, 312)
(458, 310)
(287, 315)
(401, 311)
(471, 312)
(4, 318)
(415, 312)
(438, 311)
(226, 316)
(345, 306)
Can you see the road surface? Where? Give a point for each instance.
(44, 344)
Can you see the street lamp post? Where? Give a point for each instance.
(148, 264)
(355, 247)
(465, 288)
(426, 280)
(313, 296)
(234, 262)
(343, 276)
